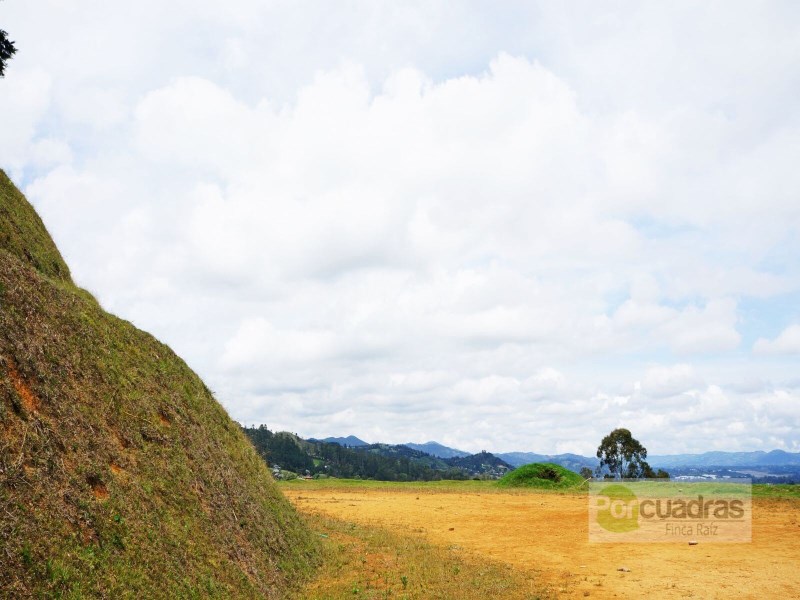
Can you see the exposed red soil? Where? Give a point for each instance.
(29, 401)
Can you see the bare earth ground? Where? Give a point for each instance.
(546, 534)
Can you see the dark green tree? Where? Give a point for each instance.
(7, 50)
(586, 472)
(622, 456)
(650, 474)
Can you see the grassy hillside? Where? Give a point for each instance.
(541, 475)
(120, 474)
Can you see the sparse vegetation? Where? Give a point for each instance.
(372, 562)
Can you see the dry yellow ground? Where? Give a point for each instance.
(546, 534)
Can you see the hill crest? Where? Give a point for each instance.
(24, 236)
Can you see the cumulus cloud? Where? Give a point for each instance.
(368, 220)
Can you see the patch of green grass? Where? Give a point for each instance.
(442, 487)
(330, 483)
(542, 476)
(759, 491)
(665, 488)
(778, 491)
(670, 488)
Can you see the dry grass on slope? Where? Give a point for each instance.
(120, 474)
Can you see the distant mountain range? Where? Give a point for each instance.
(437, 449)
(727, 459)
(350, 440)
(575, 462)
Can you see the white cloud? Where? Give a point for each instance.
(258, 344)
(22, 106)
(689, 330)
(660, 382)
(416, 221)
(787, 342)
(711, 329)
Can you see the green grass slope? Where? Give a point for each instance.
(546, 476)
(120, 475)
(23, 234)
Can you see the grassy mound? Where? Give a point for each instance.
(120, 474)
(547, 476)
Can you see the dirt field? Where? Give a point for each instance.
(546, 534)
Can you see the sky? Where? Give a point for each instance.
(507, 226)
